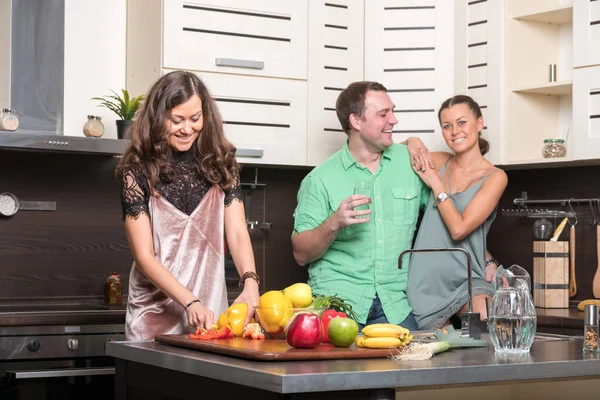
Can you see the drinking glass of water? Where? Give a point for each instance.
(363, 187)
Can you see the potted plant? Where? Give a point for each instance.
(124, 106)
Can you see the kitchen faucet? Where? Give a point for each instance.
(471, 322)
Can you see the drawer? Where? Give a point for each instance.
(264, 114)
(259, 37)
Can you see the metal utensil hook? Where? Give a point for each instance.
(594, 218)
(574, 213)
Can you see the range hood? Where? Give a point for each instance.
(61, 143)
(80, 144)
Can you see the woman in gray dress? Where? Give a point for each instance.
(465, 190)
(180, 196)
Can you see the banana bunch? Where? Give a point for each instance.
(384, 336)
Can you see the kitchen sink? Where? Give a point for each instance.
(549, 337)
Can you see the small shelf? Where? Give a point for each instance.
(540, 160)
(556, 15)
(555, 88)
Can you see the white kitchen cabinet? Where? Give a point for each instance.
(335, 59)
(478, 65)
(586, 112)
(259, 37)
(505, 67)
(263, 97)
(409, 48)
(586, 33)
(537, 34)
(263, 114)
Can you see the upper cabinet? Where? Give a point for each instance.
(335, 59)
(521, 52)
(258, 37)
(538, 72)
(586, 33)
(56, 61)
(409, 49)
(252, 55)
(478, 65)
(586, 112)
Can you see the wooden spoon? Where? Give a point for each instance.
(573, 281)
(596, 282)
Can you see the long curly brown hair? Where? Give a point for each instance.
(150, 150)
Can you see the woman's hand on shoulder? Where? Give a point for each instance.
(199, 316)
(420, 158)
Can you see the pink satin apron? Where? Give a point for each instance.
(191, 248)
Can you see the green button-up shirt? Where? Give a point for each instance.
(363, 259)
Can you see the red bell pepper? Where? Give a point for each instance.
(326, 317)
(203, 334)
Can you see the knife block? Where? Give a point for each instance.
(551, 274)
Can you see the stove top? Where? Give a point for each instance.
(28, 314)
(59, 308)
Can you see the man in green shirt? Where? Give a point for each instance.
(354, 253)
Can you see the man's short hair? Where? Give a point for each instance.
(352, 101)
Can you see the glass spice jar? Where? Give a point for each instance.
(93, 127)
(590, 329)
(8, 120)
(113, 290)
(554, 148)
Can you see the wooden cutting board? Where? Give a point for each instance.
(272, 349)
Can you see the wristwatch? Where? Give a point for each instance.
(442, 196)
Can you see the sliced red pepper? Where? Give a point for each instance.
(326, 317)
(203, 334)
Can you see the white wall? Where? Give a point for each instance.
(94, 60)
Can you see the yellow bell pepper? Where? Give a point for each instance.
(274, 310)
(234, 318)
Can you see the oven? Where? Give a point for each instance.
(58, 351)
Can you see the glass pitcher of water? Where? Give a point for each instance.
(512, 319)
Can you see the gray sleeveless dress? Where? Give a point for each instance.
(437, 282)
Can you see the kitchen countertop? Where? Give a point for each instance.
(570, 318)
(547, 360)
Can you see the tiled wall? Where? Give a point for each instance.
(69, 252)
(511, 238)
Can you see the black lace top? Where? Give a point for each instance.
(185, 191)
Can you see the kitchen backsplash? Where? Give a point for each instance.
(70, 252)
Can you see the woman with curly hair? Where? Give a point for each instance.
(180, 196)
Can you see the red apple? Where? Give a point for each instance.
(305, 331)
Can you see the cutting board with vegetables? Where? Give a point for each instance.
(272, 349)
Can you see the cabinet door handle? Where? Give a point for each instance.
(236, 62)
(60, 373)
(256, 153)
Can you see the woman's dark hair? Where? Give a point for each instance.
(150, 149)
(484, 145)
(352, 101)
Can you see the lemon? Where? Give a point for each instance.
(300, 294)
